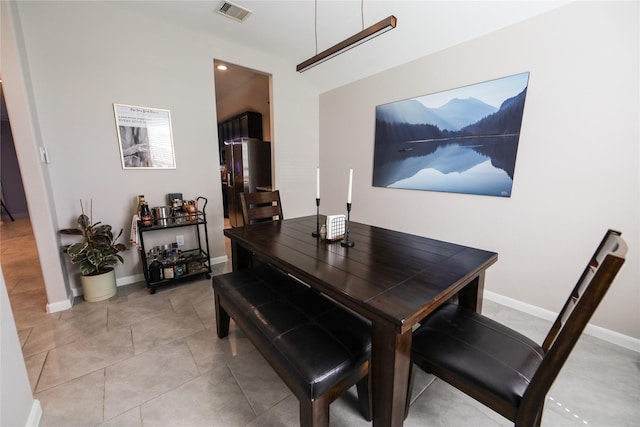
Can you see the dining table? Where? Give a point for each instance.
(392, 278)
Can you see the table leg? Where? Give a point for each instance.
(390, 361)
(240, 256)
(471, 295)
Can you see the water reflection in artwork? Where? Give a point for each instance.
(462, 140)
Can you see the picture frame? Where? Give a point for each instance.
(462, 140)
(145, 137)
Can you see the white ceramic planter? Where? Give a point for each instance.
(100, 287)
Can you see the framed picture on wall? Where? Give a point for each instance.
(144, 136)
(460, 140)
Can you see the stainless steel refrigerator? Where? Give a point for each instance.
(248, 169)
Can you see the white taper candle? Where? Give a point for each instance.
(317, 183)
(350, 185)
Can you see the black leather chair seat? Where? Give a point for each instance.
(498, 366)
(315, 340)
(499, 359)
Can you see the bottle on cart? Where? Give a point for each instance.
(182, 259)
(156, 270)
(140, 203)
(177, 268)
(180, 267)
(168, 266)
(145, 215)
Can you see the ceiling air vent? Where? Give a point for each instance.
(233, 11)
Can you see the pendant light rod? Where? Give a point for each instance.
(353, 41)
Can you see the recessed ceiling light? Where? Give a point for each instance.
(222, 67)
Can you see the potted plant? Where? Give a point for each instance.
(96, 255)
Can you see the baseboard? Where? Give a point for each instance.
(593, 330)
(61, 305)
(76, 292)
(219, 260)
(129, 280)
(35, 415)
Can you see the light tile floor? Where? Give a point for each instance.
(155, 360)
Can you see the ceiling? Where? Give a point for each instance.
(286, 28)
(229, 81)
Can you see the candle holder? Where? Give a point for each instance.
(317, 232)
(346, 242)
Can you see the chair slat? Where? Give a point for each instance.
(261, 206)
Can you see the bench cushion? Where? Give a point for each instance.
(316, 340)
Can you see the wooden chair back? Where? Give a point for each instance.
(261, 206)
(573, 318)
(498, 366)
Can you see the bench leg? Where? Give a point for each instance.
(364, 397)
(315, 413)
(222, 318)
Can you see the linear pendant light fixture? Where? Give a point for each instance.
(353, 41)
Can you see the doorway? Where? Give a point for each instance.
(243, 105)
(18, 256)
(14, 202)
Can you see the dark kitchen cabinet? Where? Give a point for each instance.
(245, 125)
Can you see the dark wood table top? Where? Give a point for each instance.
(390, 277)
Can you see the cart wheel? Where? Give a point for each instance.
(208, 276)
(152, 291)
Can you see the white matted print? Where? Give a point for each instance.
(145, 137)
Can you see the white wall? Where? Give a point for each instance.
(578, 160)
(84, 56)
(35, 176)
(17, 406)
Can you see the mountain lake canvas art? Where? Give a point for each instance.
(461, 140)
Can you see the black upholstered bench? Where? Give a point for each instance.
(317, 347)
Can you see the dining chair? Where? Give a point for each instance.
(501, 368)
(261, 206)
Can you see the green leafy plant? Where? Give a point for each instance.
(98, 253)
